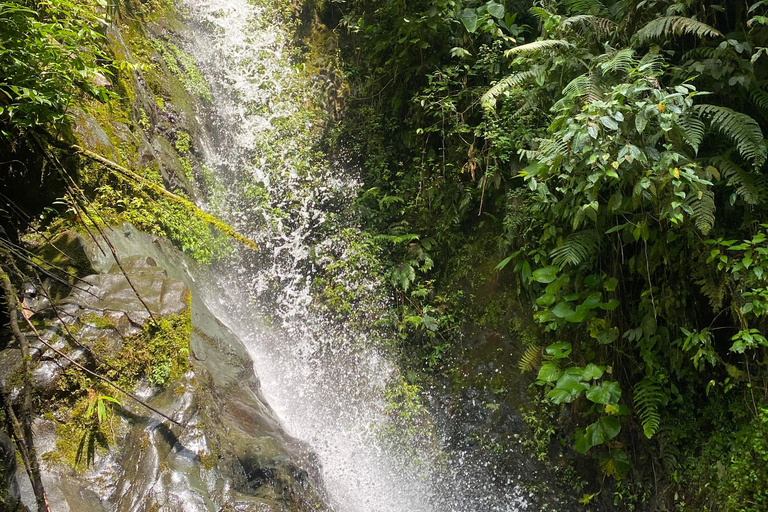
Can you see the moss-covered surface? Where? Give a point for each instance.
(151, 128)
(86, 421)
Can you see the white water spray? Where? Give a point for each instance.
(325, 383)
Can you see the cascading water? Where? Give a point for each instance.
(326, 382)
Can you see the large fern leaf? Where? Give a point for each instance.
(576, 249)
(649, 397)
(692, 130)
(704, 211)
(740, 128)
(537, 46)
(601, 26)
(742, 181)
(760, 96)
(714, 287)
(488, 100)
(531, 359)
(619, 62)
(675, 25)
(588, 86)
(586, 6)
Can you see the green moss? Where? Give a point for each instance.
(182, 142)
(186, 167)
(183, 67)
(144, 119)
(159, 354)
(98, 321)
(85, 434)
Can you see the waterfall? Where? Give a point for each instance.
(326, 382)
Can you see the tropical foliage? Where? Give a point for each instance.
(616, 150)
(49, 54)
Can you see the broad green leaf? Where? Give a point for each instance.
(582, 443)
(641, 121)
(563, 309)
(469, 19)
(546, 300)
(608, 336)
(567, 389)
(606, 393)
(495, 10)
(503, 263)
(549, 372)
(578, 315)
(559, 350)
(592, 301)
(592, 371)
(611, 284)
(616, 464)
(429, 322)
(604, 429)
(609, 123)
(545, 274)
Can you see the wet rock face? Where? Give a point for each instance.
(231, 453)
(114, 295)
(10, 499)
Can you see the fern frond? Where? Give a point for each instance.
(742, 181)
(621, 61)
(692, 130)
(536, 46)
(715, 291)
(601, 26)
(740, 128)
(675, 25)
(531, 359)
(699, 53)
(488, 100)
(759, 96)
(651, 64)
(552, 148)
(586, 6)
(578, 86)
(588, 86)
(540, 13)
(576, 249)
(704, 211)
(648, 400)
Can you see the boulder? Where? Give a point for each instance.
(231, 452)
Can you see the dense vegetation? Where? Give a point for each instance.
(608, 158)
(602, 163)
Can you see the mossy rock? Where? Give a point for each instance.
(66, 257)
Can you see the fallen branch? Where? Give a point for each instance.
(210, 219)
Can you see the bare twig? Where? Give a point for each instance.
(26, 404)
(16, 251)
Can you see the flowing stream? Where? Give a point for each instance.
(327, 382)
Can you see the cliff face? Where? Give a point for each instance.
(226, 451)
(142, 323)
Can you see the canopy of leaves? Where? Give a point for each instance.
(49, 53)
